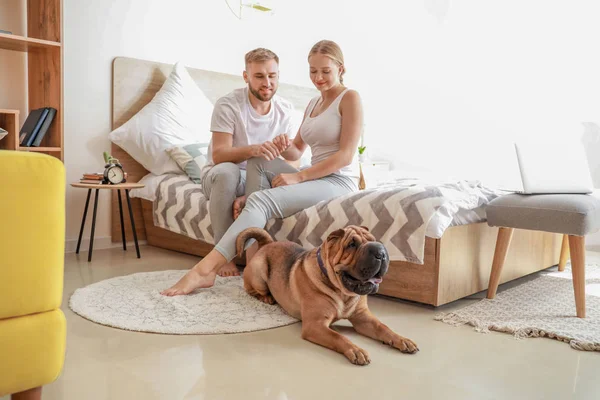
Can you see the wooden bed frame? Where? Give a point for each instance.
(455, 266)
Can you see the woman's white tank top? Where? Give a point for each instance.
(322, 133)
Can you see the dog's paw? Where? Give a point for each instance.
(358, 356)
(405, 345)
(267, 299)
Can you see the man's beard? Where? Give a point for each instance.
(259, 96)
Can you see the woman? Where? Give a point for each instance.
(332, 127)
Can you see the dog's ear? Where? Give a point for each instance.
(340, 233)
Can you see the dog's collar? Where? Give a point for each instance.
(320, 262)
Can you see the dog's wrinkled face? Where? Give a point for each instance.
(358, 261)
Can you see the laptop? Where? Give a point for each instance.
(553, 168)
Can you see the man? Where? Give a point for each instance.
(244, 124)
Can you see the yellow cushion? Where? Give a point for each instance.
(32, 233)
(32, 350)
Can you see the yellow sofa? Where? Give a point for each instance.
(32, 236)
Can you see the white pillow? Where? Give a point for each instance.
(179, 113)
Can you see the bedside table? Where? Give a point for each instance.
(90, 187)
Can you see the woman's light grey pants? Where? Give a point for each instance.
(264, 202)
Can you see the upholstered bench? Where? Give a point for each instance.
(575, 215)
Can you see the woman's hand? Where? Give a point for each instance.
(282, 142)
(286, 179)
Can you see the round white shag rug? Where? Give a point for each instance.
(134, 302)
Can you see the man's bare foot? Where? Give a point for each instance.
(229, 270)
(238, 206)
(191, 281)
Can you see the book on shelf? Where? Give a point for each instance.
(44, 128)
(32, 124)
(36, 126)
(91, 181)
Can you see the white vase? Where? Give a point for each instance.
(362, 185)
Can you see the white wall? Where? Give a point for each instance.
(433, 74)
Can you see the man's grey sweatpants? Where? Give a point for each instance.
(221, 185)
(264, 202)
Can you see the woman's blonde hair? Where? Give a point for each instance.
(331, 50)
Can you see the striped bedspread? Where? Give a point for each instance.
(397, 214)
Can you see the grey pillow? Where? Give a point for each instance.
(191, 159)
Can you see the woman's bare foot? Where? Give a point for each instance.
(229, 270)
(238, 206)
(191, 281)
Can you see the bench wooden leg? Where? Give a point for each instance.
(564, 253)
(502, 244)
(577, 246)
(31, 394)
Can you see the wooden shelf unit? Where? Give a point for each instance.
(9, 120)
(22, 43)
(41, 149)
(44, 49)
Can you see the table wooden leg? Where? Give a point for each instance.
(137, 247)
(87, 203)
(93, 226)
(122, 224)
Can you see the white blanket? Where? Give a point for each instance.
(397, 215)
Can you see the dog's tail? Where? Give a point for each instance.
(261, 236)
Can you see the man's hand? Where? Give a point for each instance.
(267, 150)
(286, 179)
(282, 142)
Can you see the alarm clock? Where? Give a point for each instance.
(113, 172)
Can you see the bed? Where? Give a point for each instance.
(452, 256)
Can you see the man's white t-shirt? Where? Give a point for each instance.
(234, 114)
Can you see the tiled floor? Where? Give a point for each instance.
(454, 363)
